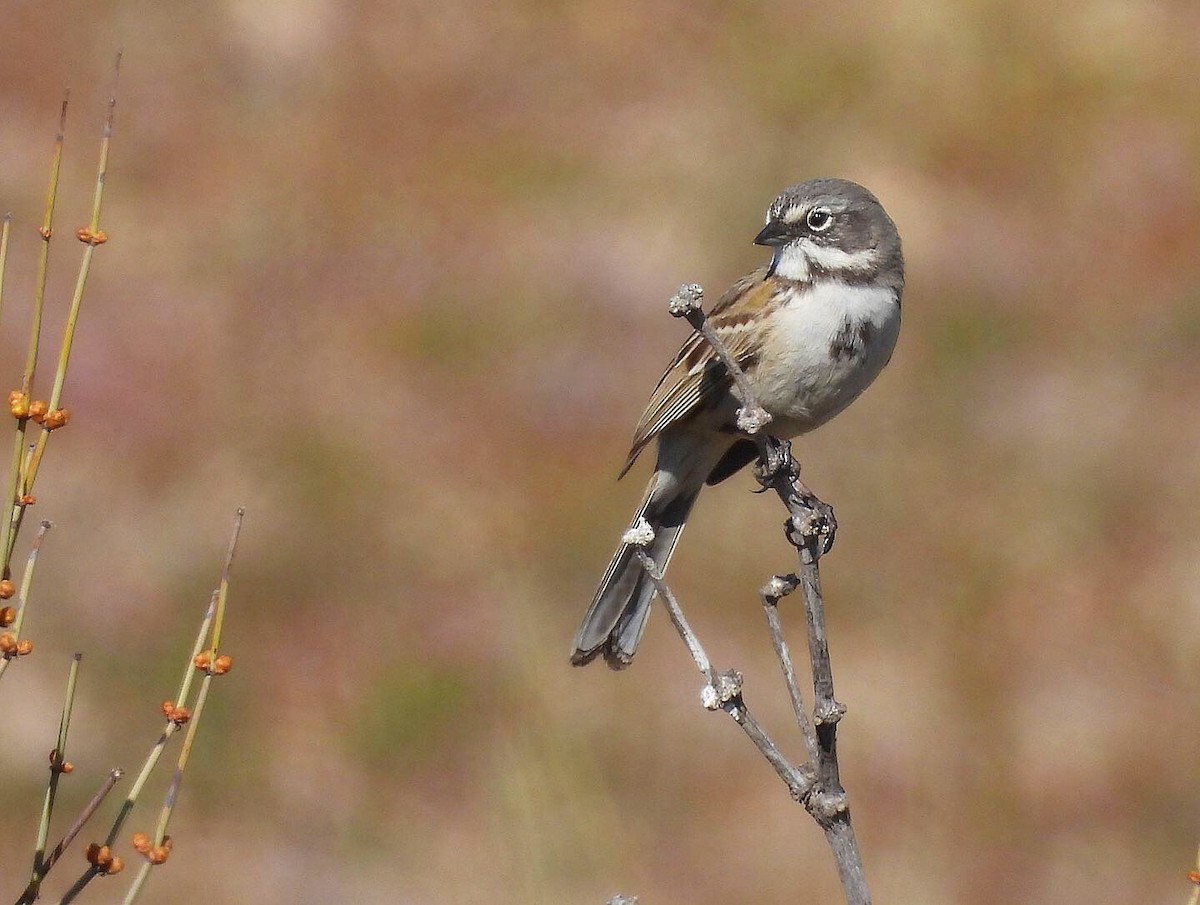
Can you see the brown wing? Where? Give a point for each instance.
(696, 378)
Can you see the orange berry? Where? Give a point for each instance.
(203, 660)
(180, 715)
(8, 615)
(19, 407)
(157, 855)
(222, 665)
(99, 855)
(8, 643)
(115, 865)
(88, 237)
(56, 419)
(27, 500)
(24, 646)
(141, 842)
(38, 409)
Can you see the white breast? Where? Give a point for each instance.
(805, 375)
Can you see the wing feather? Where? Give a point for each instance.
(695, 378)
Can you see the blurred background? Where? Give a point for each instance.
(393, 276)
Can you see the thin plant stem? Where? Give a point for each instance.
(77, 887)
(675, 612)
(172, 796)
(152, 758)
(92, 237)
(26, 585)
(46, 231)
(193, 726)
(4, 233)
(223, 587)
(114, 776)
(723, 691)
(169, 730)
(810, 529)
(57, 758)
(777, 588)
(16, 512)
(16, 464)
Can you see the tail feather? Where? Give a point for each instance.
(616, 619)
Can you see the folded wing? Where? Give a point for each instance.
(696, 380)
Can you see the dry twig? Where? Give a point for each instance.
(810, 528)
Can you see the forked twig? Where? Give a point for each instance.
(722, 691)
(810, 528)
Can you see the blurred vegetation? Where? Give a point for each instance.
(394, 277)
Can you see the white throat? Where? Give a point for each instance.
(794, 260)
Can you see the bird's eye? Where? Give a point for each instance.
(819, 219)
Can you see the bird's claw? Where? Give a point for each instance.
(815, 531)
(775, 462)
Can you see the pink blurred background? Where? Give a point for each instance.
(393, 276)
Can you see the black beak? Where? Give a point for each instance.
(774, 233)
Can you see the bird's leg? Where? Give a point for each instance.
(775, 461)
(812, 524)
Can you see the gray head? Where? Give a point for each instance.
(832, 228)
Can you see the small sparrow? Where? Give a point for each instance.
(811, 330)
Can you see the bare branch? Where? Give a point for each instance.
(810, 528)
(685, 303)
(642, 535)
(723, 691)
(774, 590)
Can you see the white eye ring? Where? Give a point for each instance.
(819, 219)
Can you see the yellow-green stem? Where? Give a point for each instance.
(39, 290)
(223, 587)
(11, 524)
(57, 756)
(85, 265)
(172, 798)
(4, 231)
(26, 585)
(14, 512)
(6, 533)
(152, 759)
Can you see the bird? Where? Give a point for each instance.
(811, 330)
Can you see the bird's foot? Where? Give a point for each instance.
(814, 532)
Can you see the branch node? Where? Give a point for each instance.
(802, 783)
(828, 712)
(826, 805)
(812, 534)
(640, 535)
(752, 418)
(686, 300)
(778, 587)
(726, 688)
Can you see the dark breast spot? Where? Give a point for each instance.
(851, 340)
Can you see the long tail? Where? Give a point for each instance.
(615, 621)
